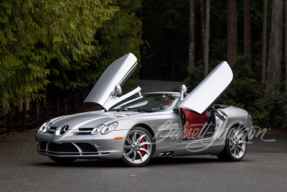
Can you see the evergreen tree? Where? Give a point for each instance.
(117, 36)
(42, 37)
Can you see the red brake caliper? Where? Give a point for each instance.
(144, 146)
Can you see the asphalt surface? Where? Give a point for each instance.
(264, 168)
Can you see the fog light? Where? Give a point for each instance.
(97, 145)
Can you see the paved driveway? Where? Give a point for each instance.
(264, 168)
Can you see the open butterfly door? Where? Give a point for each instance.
(209, 90)
(106, 88)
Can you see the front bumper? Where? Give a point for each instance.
(82, 146)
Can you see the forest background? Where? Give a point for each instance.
(59, 46)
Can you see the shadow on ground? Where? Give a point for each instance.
(153, 163)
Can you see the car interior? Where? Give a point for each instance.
(197, 126)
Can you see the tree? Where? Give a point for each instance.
(165, 54)
(203, 23)
(191, 34)
(275, 48)
(264, 37)
(78, 45)
(206, 47)
(286, 48)
(116, 36)
(285, 59)
(247, 32)
(38, 38)
(232, 46)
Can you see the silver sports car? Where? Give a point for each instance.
(136, 127)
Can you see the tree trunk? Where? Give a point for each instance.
(27, 107)
(264, 37)
(191, 35)
(286, 45)
(232, 49)
(206, 47)
(203, 23)
(6, 106)
(275, 48)
(247, 32)
(285, 123)
(20, 104)
(45, 98)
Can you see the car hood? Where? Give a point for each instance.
(90, 119)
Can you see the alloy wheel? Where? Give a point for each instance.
(237, 143)
(138, 147)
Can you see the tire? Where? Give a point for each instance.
(139, 147)
(235, 145)
(63, 160)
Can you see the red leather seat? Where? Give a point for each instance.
(194, 124)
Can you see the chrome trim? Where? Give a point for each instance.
(47, 146)
(111, 103)
(83, 155)
(79, 149)
(87, 131)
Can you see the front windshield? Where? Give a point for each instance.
(154, 102)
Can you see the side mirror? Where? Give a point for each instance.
(118, 89)
(183, 90)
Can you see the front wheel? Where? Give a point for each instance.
(63, 160)
(235, 145)
(138, 148)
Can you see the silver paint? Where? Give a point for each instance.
(204, 94)
(109, 148)
(113, 76)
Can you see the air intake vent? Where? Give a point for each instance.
(84, 131)
(52, 130)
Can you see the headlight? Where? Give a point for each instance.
(105, 129)
(97, 129)
(109, 128)
(44, 127)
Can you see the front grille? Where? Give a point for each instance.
(67, 148)
(52, 130)
(43, 145)
(86, 147)
(64, 147)
(80, 131)
(84, 131)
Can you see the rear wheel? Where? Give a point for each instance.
(63, 160)
(139, 148)
(235, 145)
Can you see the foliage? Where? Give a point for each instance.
(194, 77)
(166, 33)
(118, 36)
(37, 33)
(244, 91)
(68, 43)
(115, 37)
(271, 113)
